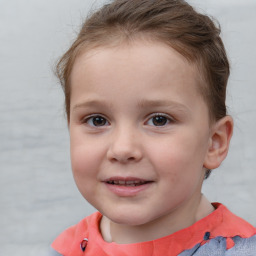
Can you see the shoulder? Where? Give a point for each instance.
(218, 246)
(229, 235)
(243, 246)
(230, 225)
(70, 239)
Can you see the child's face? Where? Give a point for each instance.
(139, 132)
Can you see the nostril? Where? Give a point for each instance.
(122, 158)
(131, 158)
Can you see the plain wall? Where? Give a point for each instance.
(38, 197)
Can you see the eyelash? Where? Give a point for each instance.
(90, 118)
(167, 119)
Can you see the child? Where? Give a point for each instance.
(145, 85)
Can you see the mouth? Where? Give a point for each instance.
(127, 186)
(127, 183)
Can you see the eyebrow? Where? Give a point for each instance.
(145, 103)
(92, 103)
(162, 103)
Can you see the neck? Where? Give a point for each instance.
(163, 226)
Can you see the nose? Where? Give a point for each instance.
(125, 146)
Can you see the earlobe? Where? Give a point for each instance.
(219, 142)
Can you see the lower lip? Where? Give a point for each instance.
(127, 191)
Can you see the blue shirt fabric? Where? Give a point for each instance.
(217, 247)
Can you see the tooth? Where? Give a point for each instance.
(130, 185)
(115, 182)
(129, 182)
(121, 182)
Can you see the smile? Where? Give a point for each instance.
(129, 183)
(127, 187)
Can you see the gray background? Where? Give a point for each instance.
(38, 197)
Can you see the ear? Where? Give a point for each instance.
(219, 142)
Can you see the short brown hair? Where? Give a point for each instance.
(173, 22)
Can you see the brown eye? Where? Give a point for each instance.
(97, 121)
(159, 120)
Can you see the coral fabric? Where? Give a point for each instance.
(221, 222)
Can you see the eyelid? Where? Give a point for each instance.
(170, 118)
(88, 117)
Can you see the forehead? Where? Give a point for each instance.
(126, 77)
(148, 55)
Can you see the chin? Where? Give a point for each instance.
(128, 218)
(129, 221)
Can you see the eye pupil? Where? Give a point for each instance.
(159, 120)
(99, 121)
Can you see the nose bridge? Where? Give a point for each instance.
(125, 143)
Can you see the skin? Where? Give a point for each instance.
(126, 88)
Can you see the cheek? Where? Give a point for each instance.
(84, 168)
(178, 156)
(84, 159)
(179, 173)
